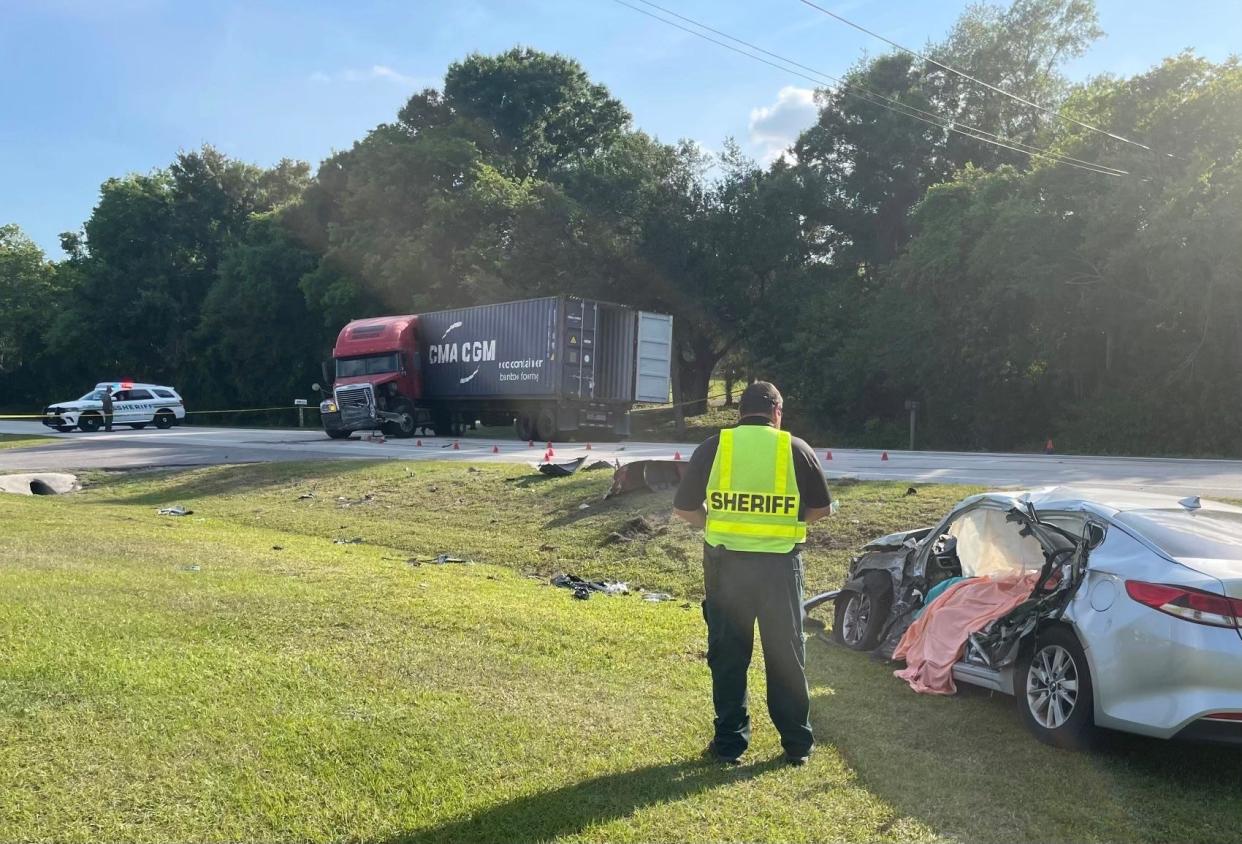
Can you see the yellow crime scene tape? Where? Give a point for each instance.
(187, 413)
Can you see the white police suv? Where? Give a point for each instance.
(135, 405)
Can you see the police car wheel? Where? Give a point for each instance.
(89, 423)
(164, 420)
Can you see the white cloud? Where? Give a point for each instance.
(774, 128)
(376, 71)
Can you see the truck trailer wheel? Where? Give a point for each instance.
(524, 427)
(545, 425)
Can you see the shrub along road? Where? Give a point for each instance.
(188, 446)
(236, 675)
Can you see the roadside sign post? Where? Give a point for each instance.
(301, 406)
(913, 407)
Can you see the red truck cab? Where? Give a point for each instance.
(380, 355)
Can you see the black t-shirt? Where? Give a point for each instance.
(812, 486)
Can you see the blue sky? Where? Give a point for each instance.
(97, 89)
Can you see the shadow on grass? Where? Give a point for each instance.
(572, 809)
(223, 480)
(966, 766)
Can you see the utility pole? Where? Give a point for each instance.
(913, 407)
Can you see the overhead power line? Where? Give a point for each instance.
(821, 78)
(1054, 113)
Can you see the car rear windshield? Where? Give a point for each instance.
(370, 365)
(1206, 534)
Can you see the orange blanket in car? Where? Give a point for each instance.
(937, 639)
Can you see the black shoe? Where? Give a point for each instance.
(797, 760)
(716, 756)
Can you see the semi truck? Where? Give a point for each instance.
(552, 368)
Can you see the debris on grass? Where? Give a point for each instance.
(657, 597)
(582, 589)
(305, 496)
(650, 475)
(439, 560)
(912, 491)
(357, 540)
(175, 510)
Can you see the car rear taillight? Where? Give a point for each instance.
(1188, 604)
(1224, 716)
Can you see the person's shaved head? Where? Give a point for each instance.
(760, 399)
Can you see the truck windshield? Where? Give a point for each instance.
(369, 365)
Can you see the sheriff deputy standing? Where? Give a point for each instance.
(106, 399)
(754, 489)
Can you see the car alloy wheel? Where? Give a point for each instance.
(857, 616)
(1052, 686)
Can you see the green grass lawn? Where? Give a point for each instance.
(235, 675)
(24, 440)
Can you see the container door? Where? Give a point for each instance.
(581, 321)
(655, 357)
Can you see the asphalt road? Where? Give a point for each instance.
(192, 446)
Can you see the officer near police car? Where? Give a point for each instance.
(753, 489)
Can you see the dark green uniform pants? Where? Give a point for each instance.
(742, 588)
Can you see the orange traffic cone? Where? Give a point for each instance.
(677, 455)
(1048, 447)
(530, 443)
(418, 443)
(547, 456)
(456, 446)
(588, 448)
(828, 454)
(884, 456)
(495, 449)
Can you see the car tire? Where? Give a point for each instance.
(524, 427)
(860, 614)
(89, 423)
(1053, 691)
(407, 427)
(545, 425)
(165, 420)
(339, 435)
(138, 426)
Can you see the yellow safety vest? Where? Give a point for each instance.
(752, 492)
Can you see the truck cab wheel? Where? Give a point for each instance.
(545, 425)
(404, 427)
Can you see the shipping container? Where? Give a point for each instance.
(550, 366)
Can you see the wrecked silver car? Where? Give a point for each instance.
(1093, 608)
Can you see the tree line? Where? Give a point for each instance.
(884, 259)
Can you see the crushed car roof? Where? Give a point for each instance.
(1107, 502)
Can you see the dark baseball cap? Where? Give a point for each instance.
(760, 397)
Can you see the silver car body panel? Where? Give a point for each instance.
(1152, 673)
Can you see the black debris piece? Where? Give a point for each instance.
(278, 547)
(305, 496)
(912, 491)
